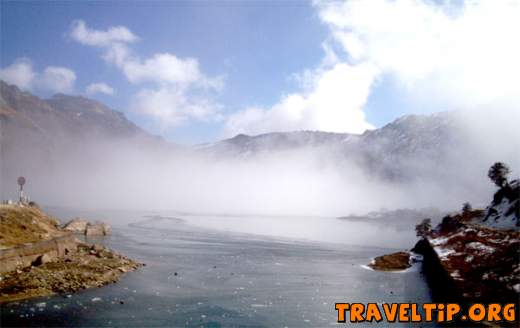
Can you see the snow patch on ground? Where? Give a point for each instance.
(481, 247)
(439, 241)
(443, 252)
(455, 274)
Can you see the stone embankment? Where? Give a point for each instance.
(25, 255)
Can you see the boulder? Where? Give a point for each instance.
(76, 225)
(107, 229)
(94, 230)
(82, 226)
(391, 262)
(98, 229)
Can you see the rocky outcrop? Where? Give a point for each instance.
(91, 266)
(504, 210)
(98, 229)
(468, 263)
(472, 256)
(391, 262)
(27, 254)
(479, 264)
(37, 258)
(76, 225)
(82, 226)
(22, 224)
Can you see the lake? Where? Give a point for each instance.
(230, 271)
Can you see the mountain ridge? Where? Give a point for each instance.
(63, 121)
(69, 106)
(46, 138)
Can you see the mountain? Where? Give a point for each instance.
(38, 136)
(244, 145)
(410, 134)
(41, 128)
(90, 116)
(62, 116)
(396, 151)
(56, 141)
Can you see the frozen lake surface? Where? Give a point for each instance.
(218, 271)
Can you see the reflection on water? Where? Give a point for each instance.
(322, 229)
(197, 275)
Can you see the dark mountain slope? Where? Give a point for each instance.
(39, 138)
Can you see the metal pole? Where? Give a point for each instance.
(21, 182)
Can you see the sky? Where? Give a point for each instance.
(205, 70)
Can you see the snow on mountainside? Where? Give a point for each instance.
(410, 146)
(504, 210)
(277, 141)
(408, 135)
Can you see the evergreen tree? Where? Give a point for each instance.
(498, 173)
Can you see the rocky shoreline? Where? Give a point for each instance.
(472, 264)
(472, 256)
(55, 269)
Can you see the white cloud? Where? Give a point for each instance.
(171, 106)
(334, 103)
(52, 79)
(57, 79)
(116, 34)
(180, 91)
(99, 87)
(19, 73)
(449, 55)
(163, 68)
(463, 55)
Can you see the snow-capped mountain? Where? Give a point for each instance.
(406, 145)
(409, 134)
(242, 144)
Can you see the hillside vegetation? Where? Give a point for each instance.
(19, 225)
